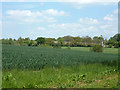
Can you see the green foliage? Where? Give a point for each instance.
(36, 58)
(110, 45)
(114, 41)
(49, 41)
(85, 41)
(40, 40)
(56, 45)
(116, 37)
(78, 77)
(97, 48)
(9, 80)
(62, 77)
(68, 38)
(60, 41)
(31, 85)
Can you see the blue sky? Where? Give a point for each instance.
(57, 19)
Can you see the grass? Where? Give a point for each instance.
(0, 79)
(82, 76)
(86, 49)
(110, 81)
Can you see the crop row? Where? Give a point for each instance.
(23, 57)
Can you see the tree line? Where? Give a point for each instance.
(66, 41)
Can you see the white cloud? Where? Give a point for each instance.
(19, 12)
(82, 23)
(109, 17)
(54, 12)
(83, 27)
(109, 25)
(36, 16)
(88, 21)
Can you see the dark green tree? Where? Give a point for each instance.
(114, 41)
(40, 40)
(60, 41)
(49, 41)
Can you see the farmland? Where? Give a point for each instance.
(23, 57)
(86, 49)
(41, 67)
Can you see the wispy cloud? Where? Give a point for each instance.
(21, 13)
(51, 12)
(88, 21)
(36, 16)
(108, 17)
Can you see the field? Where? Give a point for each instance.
(41, 67)
(86, 49)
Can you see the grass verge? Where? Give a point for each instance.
(82, 76)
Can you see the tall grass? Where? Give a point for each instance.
(62, 77)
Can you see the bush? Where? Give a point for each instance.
(68, 47)
(110, 45)
(56, 46)
(96, 48)
(116, 45)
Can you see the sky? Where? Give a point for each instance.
(58, 19)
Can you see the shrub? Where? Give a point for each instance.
(110, 46)
(116, 45)
(97, 48)
(56, 46)
(68, 47)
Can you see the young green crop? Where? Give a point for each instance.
(36, 58)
